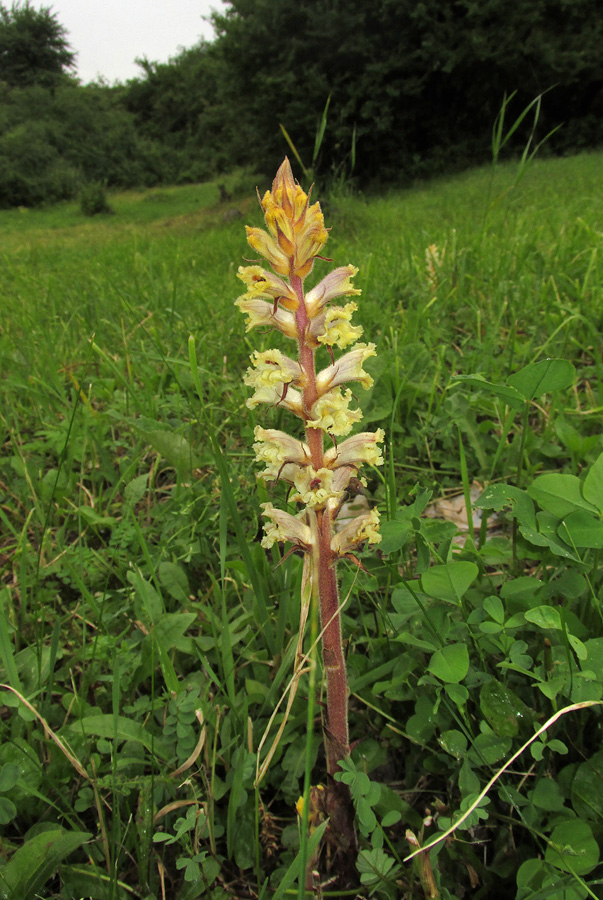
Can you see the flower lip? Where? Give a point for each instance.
(336, 284)
(282, 526)
(259, 312)
(331, 413)
(347, 368)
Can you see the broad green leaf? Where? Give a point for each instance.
(552, 687)
(493, 606)
(592, 488)
(509, 394)
(8, 810)
(93, 518)
(587, 796)
(594, 650)
(502, 709)
(489, 748)
(135, 489)
(542, 377)
(151, 600)
(546, 536)
(458, 693)
(537, 880)
(506, 496)
(33, 864)
(450, 581)
(559, 494)
(451, 663)
(582, 530)
(174, 448)
(174, 580)
(9, 776)
(406, 637)
(122, 729)
(578, 647)
(547, 795)
(572, 847)
(544, 617)
(453, 742)
(394, 534)
(170, 630)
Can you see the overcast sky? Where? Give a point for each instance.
(108, 35)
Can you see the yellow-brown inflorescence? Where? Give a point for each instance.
(318, 477)
(295, 237)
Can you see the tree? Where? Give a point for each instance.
(33, 46)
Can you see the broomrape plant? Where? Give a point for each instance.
(319, 476)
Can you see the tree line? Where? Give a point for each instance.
(413, 88)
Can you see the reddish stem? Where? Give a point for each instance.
(332, 644)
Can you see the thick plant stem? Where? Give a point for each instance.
(332, 651)
(337, 801)
(330, 619)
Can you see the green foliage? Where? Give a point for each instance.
(416, 87)
(93, 199)
(411, 89)
(141, 618)
(33, 46)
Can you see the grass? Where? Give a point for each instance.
(144, 623)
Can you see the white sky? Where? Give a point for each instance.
(108, 35)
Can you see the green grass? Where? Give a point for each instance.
(140, 616)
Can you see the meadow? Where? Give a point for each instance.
(145, 635)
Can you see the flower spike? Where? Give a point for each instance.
(294, 238)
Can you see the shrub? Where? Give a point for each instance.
(93, 199)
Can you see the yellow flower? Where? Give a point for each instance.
(267, 247)
(281, 454)
(358, 449)
(336, 284)
(332, 415)
(261, 283)
(360, 529)
(273, 369)
(297, 232)
(347, 368)
(283, 527)
(259, 312)
(332, 327)
(315, 487)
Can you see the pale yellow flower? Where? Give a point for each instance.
(331, 414)
(358, 449)
(315, 487)
(283, 527)
(260, 312)
(271, 368)
(347, 368)
(281, 454)
(336, 284)
(333, 327)
(261, 283)
(361, 528)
